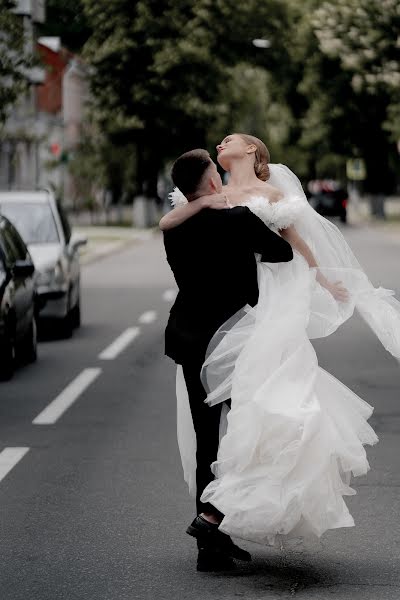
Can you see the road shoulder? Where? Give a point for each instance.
(104, 241)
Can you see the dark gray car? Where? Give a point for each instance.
(17, 300)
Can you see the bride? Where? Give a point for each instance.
(294, 434)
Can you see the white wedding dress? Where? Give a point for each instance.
(294, 434)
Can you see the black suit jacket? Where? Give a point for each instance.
(212, 258)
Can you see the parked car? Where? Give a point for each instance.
(44, 227)
(330, 201)
(17, 300)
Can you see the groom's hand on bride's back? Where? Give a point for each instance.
(216, 201)
(222, 200)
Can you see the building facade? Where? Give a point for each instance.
(19, 149)
(45, 125)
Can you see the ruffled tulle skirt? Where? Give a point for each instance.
(294, 434)
(285, 462)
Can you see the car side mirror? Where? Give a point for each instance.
(76, 241)
(23, 268)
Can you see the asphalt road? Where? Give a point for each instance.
(95, 507)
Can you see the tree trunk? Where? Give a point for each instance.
(148, 168)
(377, 152)
(146, 201)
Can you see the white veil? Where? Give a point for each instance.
(336, 261)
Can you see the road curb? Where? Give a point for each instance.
(110, 248)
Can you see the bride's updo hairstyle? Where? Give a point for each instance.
(262, 157)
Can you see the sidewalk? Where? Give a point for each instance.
(390, 228)
(105, 240)
(359, 215)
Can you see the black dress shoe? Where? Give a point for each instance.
(209, 534)
(201, 528)
(211, 561)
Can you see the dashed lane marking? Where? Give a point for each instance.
(9, 457)
(120, 343)
(169, 295)
(147, 317)
(59, 405)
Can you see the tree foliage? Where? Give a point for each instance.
(168, 76)
(362, 38)
(66, 20)
(364, 35)
(162, 70)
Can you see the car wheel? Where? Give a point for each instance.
(76, 314)
(7, 356)
(29, 345)
(343, 218)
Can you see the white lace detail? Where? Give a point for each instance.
(279, 214)
(177, 198)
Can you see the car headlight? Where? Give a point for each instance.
(52, 277)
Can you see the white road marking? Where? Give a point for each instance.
(169, 295)
(59, 405)
(120, 343)
(9, 457)
(148, 317)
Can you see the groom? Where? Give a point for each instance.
(212, 257)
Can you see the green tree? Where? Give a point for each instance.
(162, 71)
(14, 59)
(66, 19)
(364, 35)
(361, 38)
(98, 164)
(168, 76)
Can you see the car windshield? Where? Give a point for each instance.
(34, 221)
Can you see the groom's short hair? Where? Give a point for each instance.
(188, 170)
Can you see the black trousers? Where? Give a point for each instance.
(206, 425)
